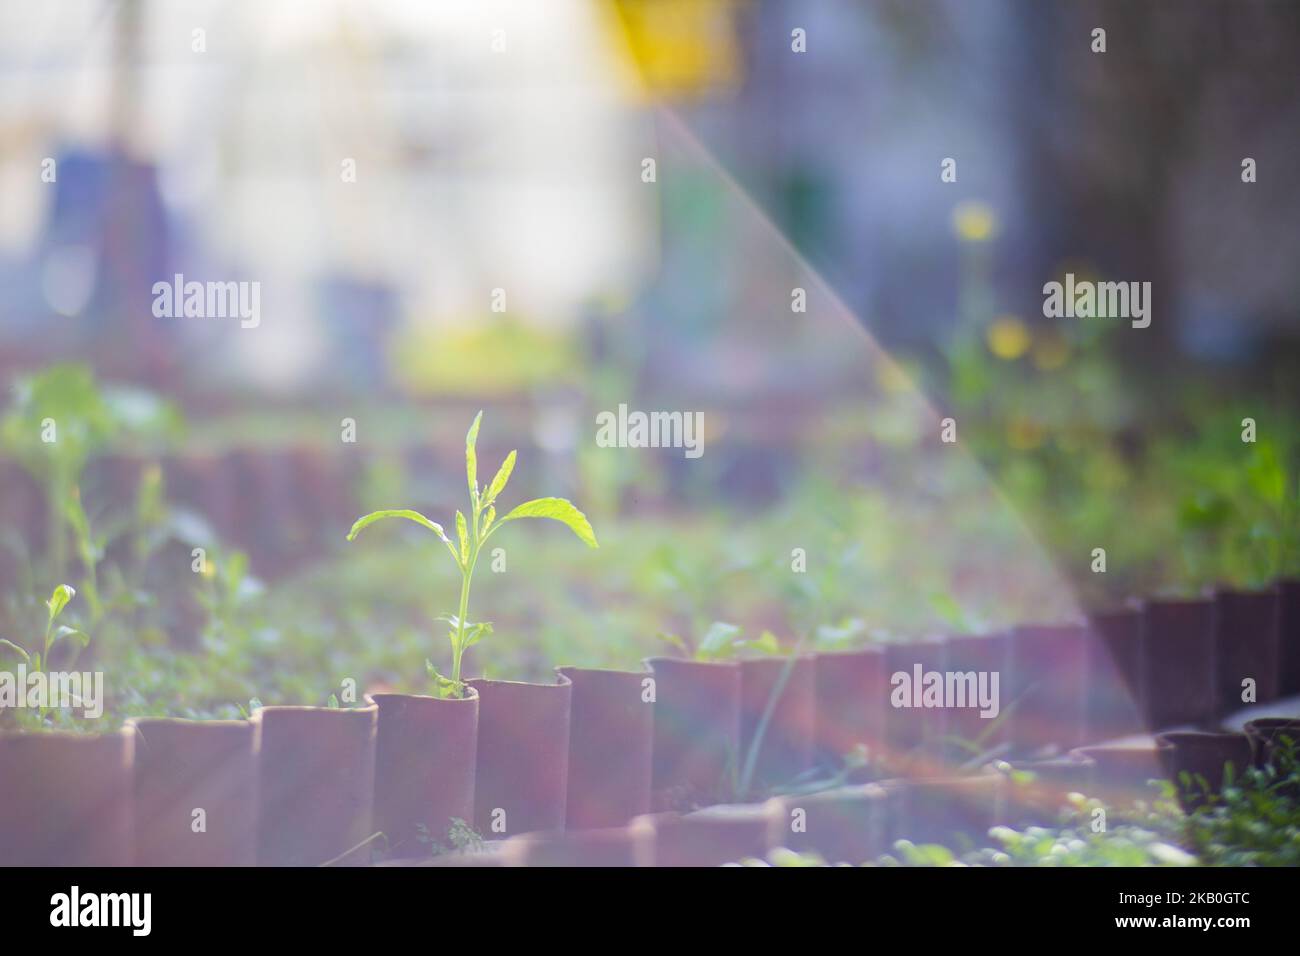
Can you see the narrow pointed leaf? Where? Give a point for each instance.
(59, 599)
(462, 533)
(558, 509)
(397, 513)
(21, 653)
(471, 456)
(499, 482)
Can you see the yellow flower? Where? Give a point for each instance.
(1008, 338)
(974, 221)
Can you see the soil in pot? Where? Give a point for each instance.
(1115, 680)
(612, 846)
(1122, 773)
(726, 833)
(316, 780)
(195, 792)
(523, 756)
(611, 746)
(849, 711)
(1199, 763)
(1178, 662)
(777, 705)
(1270, 734)
(914, 733)
(65, 799)
(1248, 645)
(696, 731)
(843, 825)
(1049, 688)
(425, 756)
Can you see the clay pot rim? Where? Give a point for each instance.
(1174, 737)
(68, 736)
(1089, 751)
(562, 683)
(374, 699)
(566, 669)
(1266, 724)
(340, 712)
(691, 662)
(1202, 600)
(1261, 591)
(135, 722)
(873, 648)
(769, 659)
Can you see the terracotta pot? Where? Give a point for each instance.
(1122, 772)
(611, 746)
(182, 766)
(1178, 662)
(787, 685)
(913, 735)
(697, 731)
(850, 709)
(1045, 798)
(726, 833)
(1289, 630)
(316, 770)
(1266, 733)
(604, 848)
(523, 756)
(1248, 645)
(844, 825)
(954, 811)
(425, 756)
(979, 654)
(1204, 756)
(1050, 688)
(1115, 679)
(65, 799)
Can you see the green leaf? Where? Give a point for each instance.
(415, 516)
(471, 457)
(59, 599)
(21, 653)
(333, 702)
(462, 533)
(488, 517)
(674, 640)
(718, 640)
(499, 482)
(559, 509)
(476, 632)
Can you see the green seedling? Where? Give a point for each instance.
(53, 634)
(472, 534)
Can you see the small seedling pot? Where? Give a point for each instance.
(1266, 734)
(850, 710)
(1049, 688)
(65, 799)
(316, 772)
(523, 756)
(195, 792)
(979, 654)
(1204, 755)
(611, 746)
(777, 701)
(613, 846)
(1045, 798)
(1122, 773)
(844, 825)
(1288, 591)
(1178, 662)
(1115, 680)
(425, 754)
(914, 736)
(696, 731)
(949, 811)
(726, 833)
(1248, 644)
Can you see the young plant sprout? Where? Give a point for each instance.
(472, 534)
